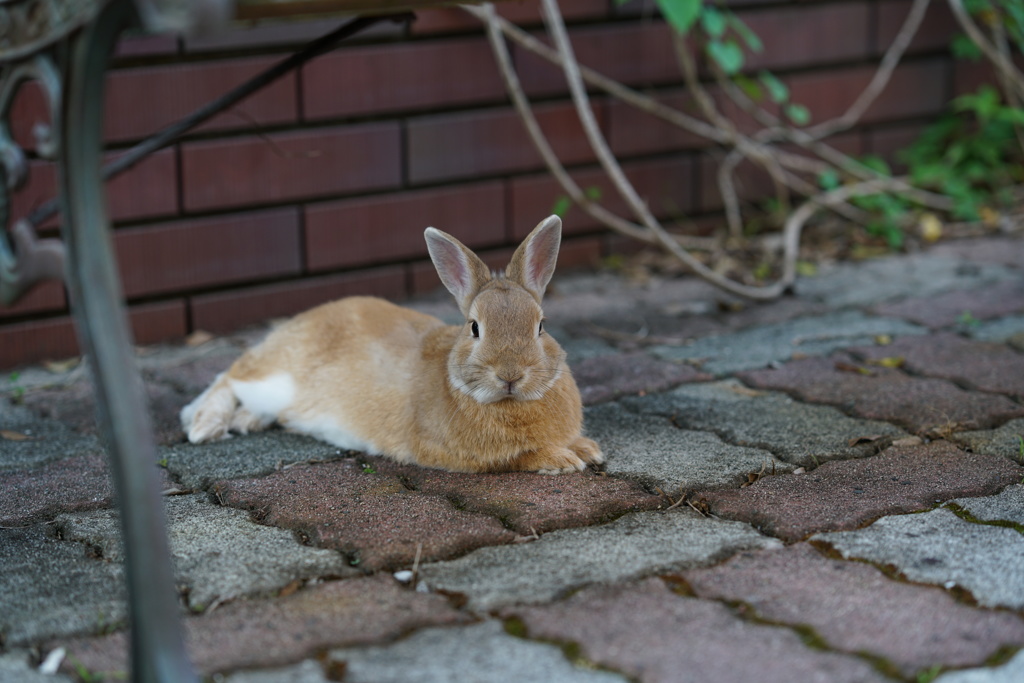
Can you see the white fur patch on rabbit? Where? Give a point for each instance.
(265, 397)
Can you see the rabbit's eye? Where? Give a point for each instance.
(474, 328)
(540, 328)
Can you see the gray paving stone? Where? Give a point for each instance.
(1004, 441)
(607, 377)
(1008, 506)
(1011, 672)
(198, 466)
(1005, 330)
(48, 440)
(656, 636)
(761, 347)
(52, 588)
(653, 451)
(796, 432)
(877, 280)
(630, 547)
(218, 553)
(938, 547)
(912, 627)
(481, 653)
(17, 667)
(1006, 251)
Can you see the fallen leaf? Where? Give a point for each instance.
(290, 588)
(864, 439)
(745, 391)
(58, 367)
(198, 338)
(989, 216)
(14, 436)
(930, 227)
(843, 366)
(883, 339)
(889, 362)
(908, 441)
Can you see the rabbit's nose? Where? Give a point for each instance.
(509, 380)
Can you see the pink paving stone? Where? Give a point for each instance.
(373, 518)
(948, 309)
(72, 485)
(847, 494)
(919, 404)
(263, 633)
(527, 502)
(605, 378)
(646, 631)
(855, 608)
(980, 365)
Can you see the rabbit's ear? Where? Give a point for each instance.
(533, 264)
(461, 271)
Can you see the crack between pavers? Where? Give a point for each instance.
(966, 515)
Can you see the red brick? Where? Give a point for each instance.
(311, 163)
(632, 131)
(917, 88)
(937, 28)
(211, 251)
(967, 76)
(637, 54)
(140, 45)
(28, 108)
(148, 190)
(471, 144)
(580, 252)
(54, 338)
(383, 78)
(159, 322)
(808, 34)
(390, 227)
(666, 185)
(523, 12)
(888, 142)
(253, 35)
(47, 296)
(141, 101)
(232, 310)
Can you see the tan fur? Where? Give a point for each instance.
(414, 389)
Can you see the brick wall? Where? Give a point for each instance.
(320, 185)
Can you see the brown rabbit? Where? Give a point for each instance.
(491, 395)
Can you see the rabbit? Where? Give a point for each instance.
(491, 395)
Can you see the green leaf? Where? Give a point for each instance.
(680, 13)
(828, 179)
(777, 90)
(798, 114)
(713, 22)
(562, 206)
(593, 193)
(727, 55)
(744, 32)
(749, 87)
(963, 47)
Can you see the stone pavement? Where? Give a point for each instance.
(825, 488)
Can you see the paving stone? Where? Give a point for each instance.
(604, 378)
(879, 280)
(308, 671)
(1005, 251)
(938, 547)
(373, 518)
(1009, 330)
(845, 494)
(632, 546)
(198, 466)
(269, 633)
(17, 667)
(54, 588)
(48, 440)
(440, 655)
(855, 608)
(1007, 506)
(652, 450)
(761, 347)
(1011, 672)
(79, 483)
(527, 502)
(651, 634)
(797, 433)
(960, 307)
(984, 366)
(218, 553)
(1004, 441)
(920, 405)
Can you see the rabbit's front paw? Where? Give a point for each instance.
(587, 450)
(552, 461)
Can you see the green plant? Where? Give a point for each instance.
(1020, 449)
(17, 391)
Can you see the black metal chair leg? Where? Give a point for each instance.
(157, 650)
